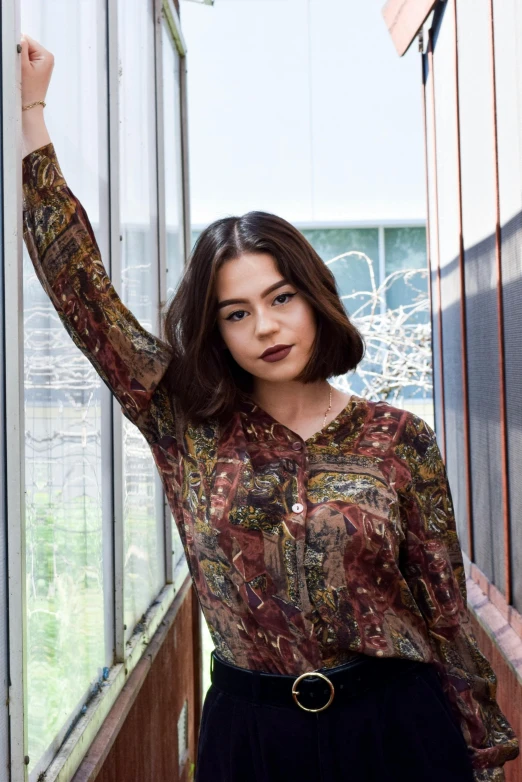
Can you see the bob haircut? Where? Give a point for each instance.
(203, 377)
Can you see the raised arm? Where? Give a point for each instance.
(432, 564)
(66, 258)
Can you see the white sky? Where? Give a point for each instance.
(304, 109)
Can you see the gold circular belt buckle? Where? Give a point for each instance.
(295, 691)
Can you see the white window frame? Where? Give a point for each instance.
(81, 729)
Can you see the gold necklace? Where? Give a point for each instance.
(329, 408)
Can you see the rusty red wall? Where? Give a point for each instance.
(138, 741)
(460, 241)
(509, 693)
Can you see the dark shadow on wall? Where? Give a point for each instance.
(483, 373)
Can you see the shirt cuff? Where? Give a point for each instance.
(489, 774)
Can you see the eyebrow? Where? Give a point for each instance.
(273, 287)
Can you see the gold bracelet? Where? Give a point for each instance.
(30, 106)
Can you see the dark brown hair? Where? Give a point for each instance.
(203, 377)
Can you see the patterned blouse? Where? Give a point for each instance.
(304, 553)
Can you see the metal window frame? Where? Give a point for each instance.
(124, 634)
(161, 18)
(162, 238)
(166, 14)
(433, 217)
(126, 656)
(14, 390)
(382, 264)
(4, 586)
(115, 272)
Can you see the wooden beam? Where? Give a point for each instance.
(404, 18)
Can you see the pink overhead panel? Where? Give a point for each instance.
(404, 18)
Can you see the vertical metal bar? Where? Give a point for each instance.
(162, 248)
(160, 141)
(115, 249)
(197, 656)
(382, 264)
(427, 167)
(435, 233)
(159, 501)
(107, 440)
(463, 320)
(172, 20)
(501, 344)
(14, 393)
(185, 157)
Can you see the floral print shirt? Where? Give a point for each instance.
(304, 553)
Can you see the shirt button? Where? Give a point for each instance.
(297, 508)
(297, 445)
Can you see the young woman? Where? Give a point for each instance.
(318, 527)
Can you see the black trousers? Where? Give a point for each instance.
(403, 731)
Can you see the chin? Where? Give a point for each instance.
(280, 374)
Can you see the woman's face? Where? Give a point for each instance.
(258, 309)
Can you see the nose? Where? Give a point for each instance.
(266, 324)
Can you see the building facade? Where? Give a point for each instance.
(471, 69)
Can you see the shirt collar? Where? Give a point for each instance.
(260, 426)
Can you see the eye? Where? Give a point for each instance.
(284, 296)
(232, 317)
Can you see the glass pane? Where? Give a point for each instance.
(408, 314)
(356, 274)
(405, 249)
(353, 256)
(63, 434)
(173, 170)
(144, 542)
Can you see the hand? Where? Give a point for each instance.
(37, 67)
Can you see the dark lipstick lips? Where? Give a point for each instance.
(274, 349)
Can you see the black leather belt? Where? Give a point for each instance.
(312, 691)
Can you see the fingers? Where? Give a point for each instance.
(25, 51)
(35, 50)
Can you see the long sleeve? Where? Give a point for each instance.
(66, 258)
(431, 562)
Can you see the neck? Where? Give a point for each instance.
(291, 400)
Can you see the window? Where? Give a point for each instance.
(405, 250)
(173, 166)
(353, 273)
(67, 523)
(143, 516)
(381, 274)
(175, 238)
(88, 526)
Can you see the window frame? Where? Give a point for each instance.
(80, 729)
(14, 408)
